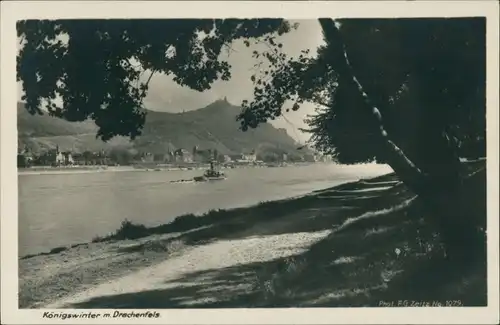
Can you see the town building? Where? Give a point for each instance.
(251, 157)
(79, 159)
(183, 156)
(147, 157)
(160, 157)
(203, 156)
(244, 158)
(226, 159)
(55, 157)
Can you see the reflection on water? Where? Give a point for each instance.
(63, 209)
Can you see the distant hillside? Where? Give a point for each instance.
(43, 132)
(214, 126)
(44, 125)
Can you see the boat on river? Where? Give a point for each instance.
(212, 174)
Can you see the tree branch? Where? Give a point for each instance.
(147, 82)
(320, 101)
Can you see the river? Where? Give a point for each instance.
(67, 208)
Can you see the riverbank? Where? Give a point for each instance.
(38, 170)
(47, 170)
(357, 244)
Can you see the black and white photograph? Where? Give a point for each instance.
(223, 161)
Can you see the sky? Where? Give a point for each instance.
(166, 96)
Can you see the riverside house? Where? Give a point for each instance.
(55, 157)
(203, 156)
(182, 156)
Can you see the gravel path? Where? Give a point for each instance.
(216, 255)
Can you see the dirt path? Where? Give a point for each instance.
(218, 255)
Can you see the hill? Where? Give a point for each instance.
(213, 126)
(43, 132)
(35, 126)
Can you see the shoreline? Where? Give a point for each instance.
(143, 168)
(100, 169)
(296, 186)
(354, 244)
(184, 222)
(180, 222)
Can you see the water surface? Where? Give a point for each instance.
(67, 208)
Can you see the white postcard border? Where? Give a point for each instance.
(16, 10)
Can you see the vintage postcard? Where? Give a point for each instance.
(249, 162)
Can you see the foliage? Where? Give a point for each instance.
(130, 230)
(412, 103)
(426, 76)
(22, 161)
(95, 66)
(122, 156)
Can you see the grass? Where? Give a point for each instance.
(187, 222)
(55, 250)
(131, 230)
(366, 261)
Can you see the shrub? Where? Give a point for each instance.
(129, 230)
(58, 250)
(98, 239)
(184, 222)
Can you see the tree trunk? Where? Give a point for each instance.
(451, 201)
